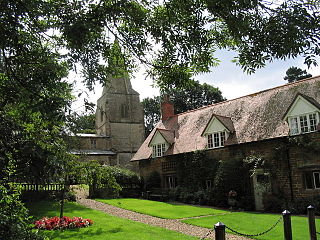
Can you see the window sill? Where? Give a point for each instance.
(297, 134)
(215, 147)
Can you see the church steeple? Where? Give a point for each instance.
(119, 85)
(119, 115)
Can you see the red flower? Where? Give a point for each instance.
(55, 223)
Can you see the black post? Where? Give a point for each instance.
(312, 223)
(62, 202)
(287, 225)
(220, 231)
(64, 189)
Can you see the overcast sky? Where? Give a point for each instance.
(229, 77)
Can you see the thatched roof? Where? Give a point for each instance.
(254, 117)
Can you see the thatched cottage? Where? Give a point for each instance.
(273, 136)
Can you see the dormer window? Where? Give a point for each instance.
(217, 131)
(158, 150)
(303, 115)
(160, 142)
(216, 139)
(303, 123)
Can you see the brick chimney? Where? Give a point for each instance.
(167, 108)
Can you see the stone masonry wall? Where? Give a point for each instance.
(285, 161)
(303, 160)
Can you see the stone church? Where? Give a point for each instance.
(119, 126)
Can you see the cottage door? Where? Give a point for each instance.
(261, 186)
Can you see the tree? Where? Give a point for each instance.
(42, 41)
(14, 216)
(151, 109)
(294, 74)
(194, 96)
(84, 123)
(186, 34)
(175, 39)
(33, 98)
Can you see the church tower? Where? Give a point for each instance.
(119, 117)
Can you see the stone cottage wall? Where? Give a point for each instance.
(285, 161)
(302, 160)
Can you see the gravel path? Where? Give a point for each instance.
(171, 224)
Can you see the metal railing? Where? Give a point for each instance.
(257, 234)
(41, 187)
(220, 228)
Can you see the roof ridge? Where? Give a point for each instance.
(251, 94)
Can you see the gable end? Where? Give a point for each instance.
(221, 123)
(301, 104)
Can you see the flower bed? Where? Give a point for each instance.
(56, 223)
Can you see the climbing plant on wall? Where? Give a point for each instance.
(194, 169)
(205, 179)
(232, 174)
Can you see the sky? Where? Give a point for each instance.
(228, 77)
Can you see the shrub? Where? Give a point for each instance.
(186, 197)
(69, 195)
(76, 173)
(199, 197)
(125, 177)
(108, 181)
(209, 197)
(97, 176)
(246, 203)
(153, 180)
(129, 181)
(273, 203)
(14, 219)
(299, 206)
(56, 223)
(173, 194)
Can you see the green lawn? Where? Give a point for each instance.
(105, 227)
(161, 209)
(252, 223)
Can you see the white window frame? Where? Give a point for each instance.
(172, 182)
(210, 141)
(314, 179)
(159, 149)
(298, 118)
(219, 136)
(314, 175)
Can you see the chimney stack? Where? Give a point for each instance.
(167, 108)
